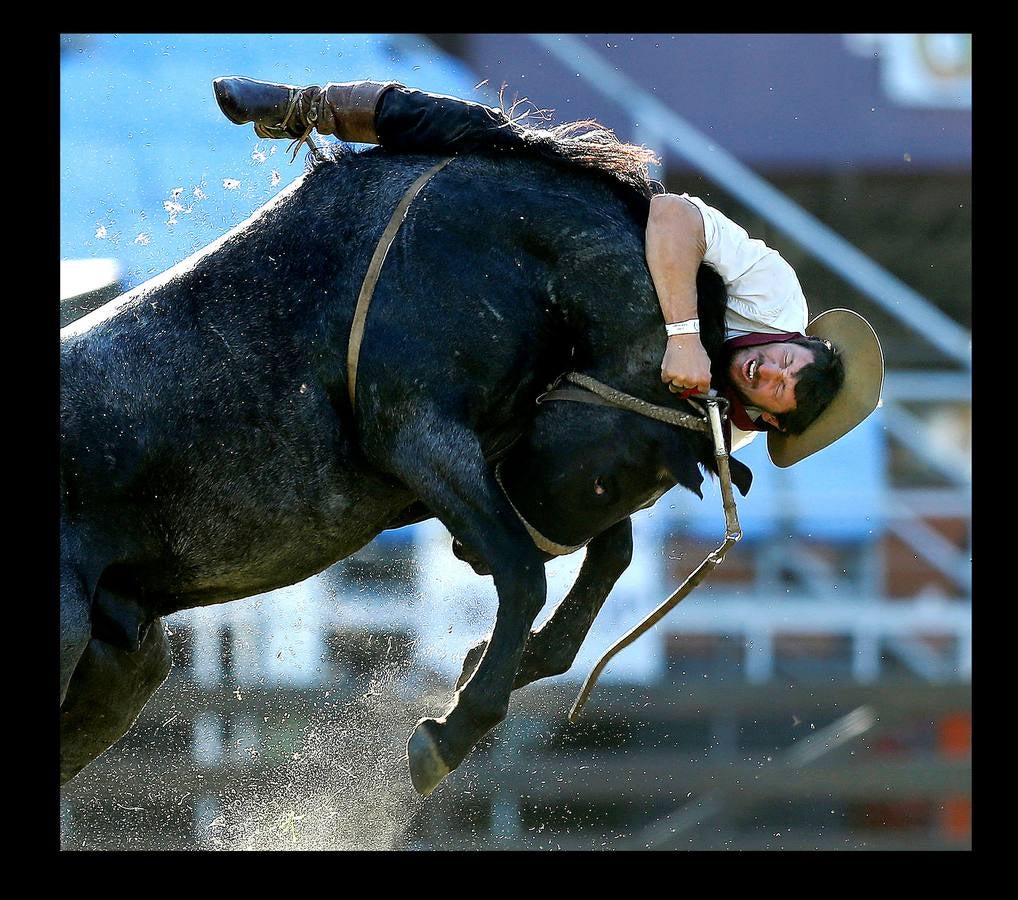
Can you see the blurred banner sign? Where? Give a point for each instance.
(928, 70)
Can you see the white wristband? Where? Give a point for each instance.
(690, 326)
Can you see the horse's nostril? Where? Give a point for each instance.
(598, 486)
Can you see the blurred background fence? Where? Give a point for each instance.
(816, 693)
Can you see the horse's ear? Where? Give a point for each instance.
(681, 462)
(742, 476)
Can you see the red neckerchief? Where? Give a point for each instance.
(737, 414)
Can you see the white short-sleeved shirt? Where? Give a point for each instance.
(763, 291)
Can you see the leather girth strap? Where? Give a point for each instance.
(360, 314)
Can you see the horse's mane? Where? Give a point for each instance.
(587, 144)
(584, 144)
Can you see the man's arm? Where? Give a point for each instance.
(676, 245)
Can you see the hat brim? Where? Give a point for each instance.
(859, 348)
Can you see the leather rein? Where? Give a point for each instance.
(600, 394)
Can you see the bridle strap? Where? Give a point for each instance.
(360, 314)
(596, 392)
(733, 533)
(540, 541)
(600, 394)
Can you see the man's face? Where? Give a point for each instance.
(765, 376)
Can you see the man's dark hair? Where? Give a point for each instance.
(817, 384)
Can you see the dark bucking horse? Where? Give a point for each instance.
(209, 450)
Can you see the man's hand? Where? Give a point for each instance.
(686, 365)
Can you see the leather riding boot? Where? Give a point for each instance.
(370, 112)
(346, 110)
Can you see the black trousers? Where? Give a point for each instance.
(412, 120)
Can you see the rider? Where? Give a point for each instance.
(807, 383)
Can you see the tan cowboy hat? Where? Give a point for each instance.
(859, 348)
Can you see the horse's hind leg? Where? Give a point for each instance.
(552, 649)
(75, 617)
(109, 688)
(444, 466)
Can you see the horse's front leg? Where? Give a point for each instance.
(551, 649)
(443, 464)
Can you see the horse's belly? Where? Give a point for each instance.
(234, 540)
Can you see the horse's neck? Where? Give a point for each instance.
(630, 361)
(627, 339)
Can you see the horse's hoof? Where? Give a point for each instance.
(427, 768)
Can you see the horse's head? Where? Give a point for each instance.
(581, 468)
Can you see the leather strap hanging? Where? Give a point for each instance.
(733, 533)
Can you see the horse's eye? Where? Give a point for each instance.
(599, 487)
